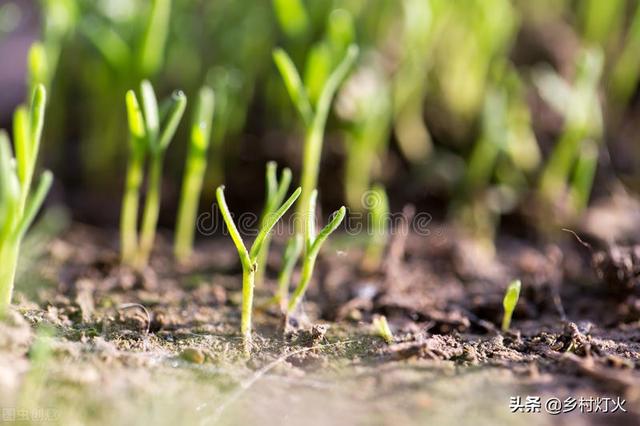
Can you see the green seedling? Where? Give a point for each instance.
(150, 134)
(509, 303)
(378, 204)
(313, 244)
(19, 203)
(583, 125)
(410, 85)
(196, 165)
(364, 103)
(275, 193)
(130, 47)
(382, 329)
(501, 160)
(249, 258)
(326, 54)
(314, 119)
(143, 56)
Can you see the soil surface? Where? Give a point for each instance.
(91, 342)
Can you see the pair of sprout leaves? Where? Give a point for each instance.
(153, 126)
(151, 129)
(275, 208)
(18, 203)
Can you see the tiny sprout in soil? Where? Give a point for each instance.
(378, 217)
(509, 303)
(382, 329)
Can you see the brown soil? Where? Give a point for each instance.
(162, 347)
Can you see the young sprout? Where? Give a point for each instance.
(410, 85)
(509, 303)
(378, 205)
(313, 244)
(583, 125)
(195, 168)
(501, 160)
(276, 191)
(382, 329)
(364, 103)
(146, 137)
(249, 258)
(19, 204)
(135, 172)
(314, 119)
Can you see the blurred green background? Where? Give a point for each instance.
(474, 110)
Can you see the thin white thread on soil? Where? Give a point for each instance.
(244, 386)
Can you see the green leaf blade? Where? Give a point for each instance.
(176, 111)
(270, 222)
(150, 108)
(233, 231)
(293, 84)
(333, 224)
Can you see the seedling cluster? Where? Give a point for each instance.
(442, 56)
(151, 130)
(19, 201)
